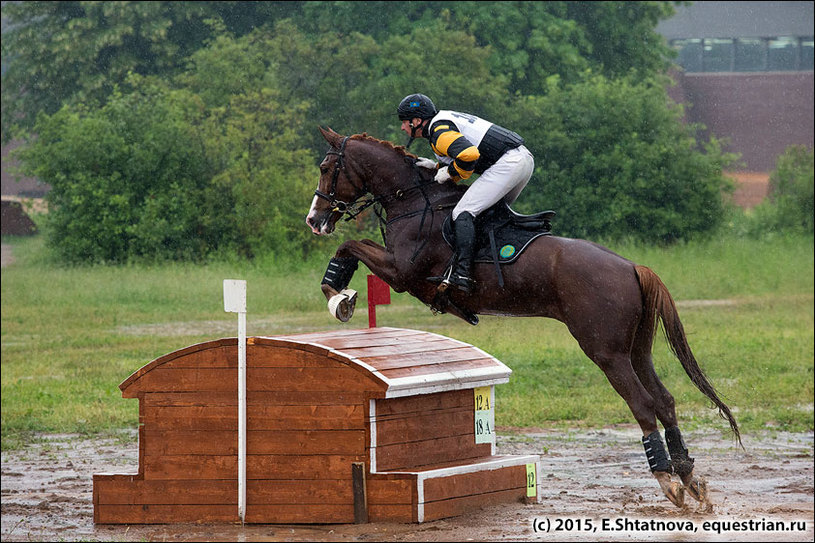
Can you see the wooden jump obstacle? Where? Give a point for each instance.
(342, 426)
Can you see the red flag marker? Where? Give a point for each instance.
(379, 293)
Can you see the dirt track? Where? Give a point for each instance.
(587, 478)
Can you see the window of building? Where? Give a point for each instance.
(689, 54)
(782, 54)
(717, 55)
(806, 54)
(750, 55)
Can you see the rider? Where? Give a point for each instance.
(465, 144)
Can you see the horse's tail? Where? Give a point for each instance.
(658, 303)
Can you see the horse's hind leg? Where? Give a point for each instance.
(620, 374)
(664, 407)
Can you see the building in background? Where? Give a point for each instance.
(746, 74)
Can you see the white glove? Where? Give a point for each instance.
(422, 162)
(443, 176)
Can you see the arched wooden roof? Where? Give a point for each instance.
(406, 362)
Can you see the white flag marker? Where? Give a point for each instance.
(235, 302)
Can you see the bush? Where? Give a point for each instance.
(124, 178)
(790, 197)
(154, 175)
(614, 159)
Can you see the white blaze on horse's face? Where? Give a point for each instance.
(318, 220)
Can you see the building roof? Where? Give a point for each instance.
(739, 19)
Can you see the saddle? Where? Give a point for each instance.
(502, 234)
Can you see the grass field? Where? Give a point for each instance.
(71, 335)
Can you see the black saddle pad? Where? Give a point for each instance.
(512, 232)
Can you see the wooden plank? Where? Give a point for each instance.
(271, 417)
(327, 379)
(413, 371)
(258, 514)
(257, 397)
(467, 484)
(369, 334)
(164, 514)
(399, 346)
(125, 385)
(424, 403)
(294, 513)
(225, 442)
(223, 491)
(223, 356)
(392, 513)
(257, 466)
(445, 357)
(390, 491)
(360, 492)
(459, 506)
(423, 427)
(412, 456)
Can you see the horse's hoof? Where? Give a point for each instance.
(697, 489)
(673, 491)
(342, 305)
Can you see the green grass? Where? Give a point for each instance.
(71, 335)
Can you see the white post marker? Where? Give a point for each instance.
(235, 302)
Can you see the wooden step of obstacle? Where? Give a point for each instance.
(342, 426)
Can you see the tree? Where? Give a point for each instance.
(614, 160)
(57, 53)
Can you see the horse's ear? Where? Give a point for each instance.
(333, 139)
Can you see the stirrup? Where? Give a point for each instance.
(459, 281)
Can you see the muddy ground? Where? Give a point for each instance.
(593, 486)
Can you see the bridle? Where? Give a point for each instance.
(339, 165)
(353, 209)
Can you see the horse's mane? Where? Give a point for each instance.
(400, 149)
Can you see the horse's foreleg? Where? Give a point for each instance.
(340, 271)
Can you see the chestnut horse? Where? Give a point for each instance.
(609, 304)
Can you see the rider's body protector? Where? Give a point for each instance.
(467, 144)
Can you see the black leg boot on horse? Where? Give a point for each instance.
(460, 274)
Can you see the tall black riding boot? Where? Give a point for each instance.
(464, 227)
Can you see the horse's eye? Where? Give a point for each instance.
(323, 169)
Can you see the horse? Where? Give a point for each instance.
(610, 305)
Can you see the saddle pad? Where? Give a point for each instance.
(510, 240)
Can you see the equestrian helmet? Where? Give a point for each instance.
(416, 105)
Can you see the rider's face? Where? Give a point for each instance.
(406, 125)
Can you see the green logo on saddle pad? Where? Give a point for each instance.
(507, 251)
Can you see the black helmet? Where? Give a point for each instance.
(416, 105)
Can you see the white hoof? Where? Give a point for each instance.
(342, 305)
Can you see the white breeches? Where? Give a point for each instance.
(503, 180)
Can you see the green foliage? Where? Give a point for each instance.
(155, 175)
(614, 160)
(125, 178)
(216, 154)
(58, 53)
(791, 191)
(788, 209)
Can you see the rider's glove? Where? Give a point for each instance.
(443, 176)
(422, 162)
